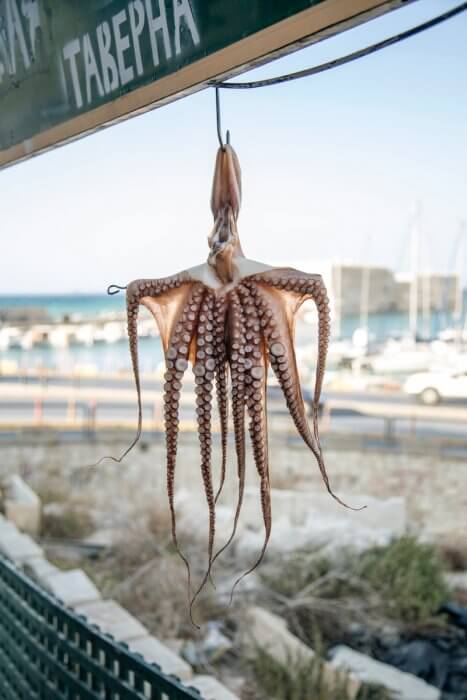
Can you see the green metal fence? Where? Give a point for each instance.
(48, 652)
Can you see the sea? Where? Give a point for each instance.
(114, 357)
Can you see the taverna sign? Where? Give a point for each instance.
(68, 68)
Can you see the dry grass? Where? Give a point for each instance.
(68, 514)
(73, 523)
(146, 575)
(285, 480)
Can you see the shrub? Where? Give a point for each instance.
(409, 577)
(70, 523)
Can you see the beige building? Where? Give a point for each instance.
(360, 289)
(434, 292)
(368, 289)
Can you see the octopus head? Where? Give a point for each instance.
(224, 242)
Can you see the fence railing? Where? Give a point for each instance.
(48, 652)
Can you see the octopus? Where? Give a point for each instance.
(231, 319)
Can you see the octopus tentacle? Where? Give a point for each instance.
(256, 386)
(309, 287)
(221, 383)
(204, 375)
(176, 363)
(282, 358)
(237, 373)
(287, 375)
(136, 292)
(318, 293)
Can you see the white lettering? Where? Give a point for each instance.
(90, 69)
(136, 13)
(108, 63)
(70, 51)
(122, 43)
(15, 30)
(182, 9)
(157, 24)
(113, 54)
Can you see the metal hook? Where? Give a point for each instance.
(218, 120)
(114, 289)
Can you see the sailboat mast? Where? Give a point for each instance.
(459, 298)
(415, 257)
(426, 304)
(336, 274)
(365, 297)
(365, 288)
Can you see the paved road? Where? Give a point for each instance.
(113, 400)
(116, 381)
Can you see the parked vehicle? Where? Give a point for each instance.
(432, 387)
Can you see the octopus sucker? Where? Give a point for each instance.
(231, 317)
(220, 310)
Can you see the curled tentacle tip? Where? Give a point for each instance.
(347, 506)
(192, 620)
(114, 289)
(195, 624)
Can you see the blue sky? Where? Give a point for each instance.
(333, 167)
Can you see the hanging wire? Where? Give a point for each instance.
(336, 62)
(218, 121)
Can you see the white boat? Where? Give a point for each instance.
(400, 357)
(4, 338)
(59, 337)
(27, 340)
(111, 332)
(10, 337)
(84, 334)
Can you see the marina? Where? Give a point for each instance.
(375, 344)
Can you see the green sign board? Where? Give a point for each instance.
(69, 67)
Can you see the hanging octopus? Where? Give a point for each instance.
(230, 316)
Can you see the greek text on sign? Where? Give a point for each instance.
(69, 67)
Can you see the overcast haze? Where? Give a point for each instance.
(333, 166)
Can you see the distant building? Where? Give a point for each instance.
(358, 286)
(356, 289)
(434, 292)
